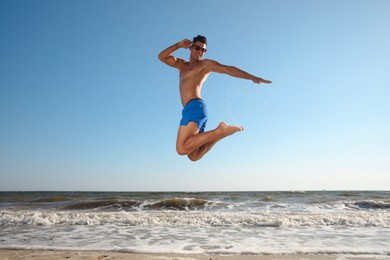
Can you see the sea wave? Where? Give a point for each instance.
(52, 199)
(194, 218)
(370, 204)
(165, 204)
(200, 204)
(297, 201)
(102, 204)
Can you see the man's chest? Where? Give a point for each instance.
(195, 73)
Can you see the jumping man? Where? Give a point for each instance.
(192, 140)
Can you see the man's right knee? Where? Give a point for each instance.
(194, 157)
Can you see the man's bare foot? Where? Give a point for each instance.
(229, 130)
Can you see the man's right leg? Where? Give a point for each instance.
(194, 144)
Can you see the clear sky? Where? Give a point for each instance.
(86, 105)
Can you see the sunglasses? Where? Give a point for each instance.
(198, 48)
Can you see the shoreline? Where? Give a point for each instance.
(110, 255)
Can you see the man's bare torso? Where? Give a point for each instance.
(192, 77)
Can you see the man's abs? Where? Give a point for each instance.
(188, 92)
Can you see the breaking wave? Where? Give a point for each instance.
(370, 204)
(192, 219)
(166, 204)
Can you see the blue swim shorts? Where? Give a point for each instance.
(195, 111)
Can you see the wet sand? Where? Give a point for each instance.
(6, 254)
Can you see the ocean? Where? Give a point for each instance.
(345, 223)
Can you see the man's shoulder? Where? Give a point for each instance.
(182, 60)
(181, 63)
(208, 61)
(210, 64)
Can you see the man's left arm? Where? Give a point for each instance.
(234, 71)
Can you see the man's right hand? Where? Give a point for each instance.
(185, 43)
(167, 57)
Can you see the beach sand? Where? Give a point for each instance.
(6, 254)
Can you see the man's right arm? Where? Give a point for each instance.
(167, 57)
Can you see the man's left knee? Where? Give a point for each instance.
(181, 151)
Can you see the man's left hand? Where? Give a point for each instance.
(260, 80)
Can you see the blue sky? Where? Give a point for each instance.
(86, 105)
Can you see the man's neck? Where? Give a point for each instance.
(193, 61)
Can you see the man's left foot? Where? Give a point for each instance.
(229, 130)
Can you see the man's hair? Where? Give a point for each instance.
(201, 39)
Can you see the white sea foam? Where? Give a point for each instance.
(197, 218)
(214, 240)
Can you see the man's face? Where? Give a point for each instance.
(197, 50)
